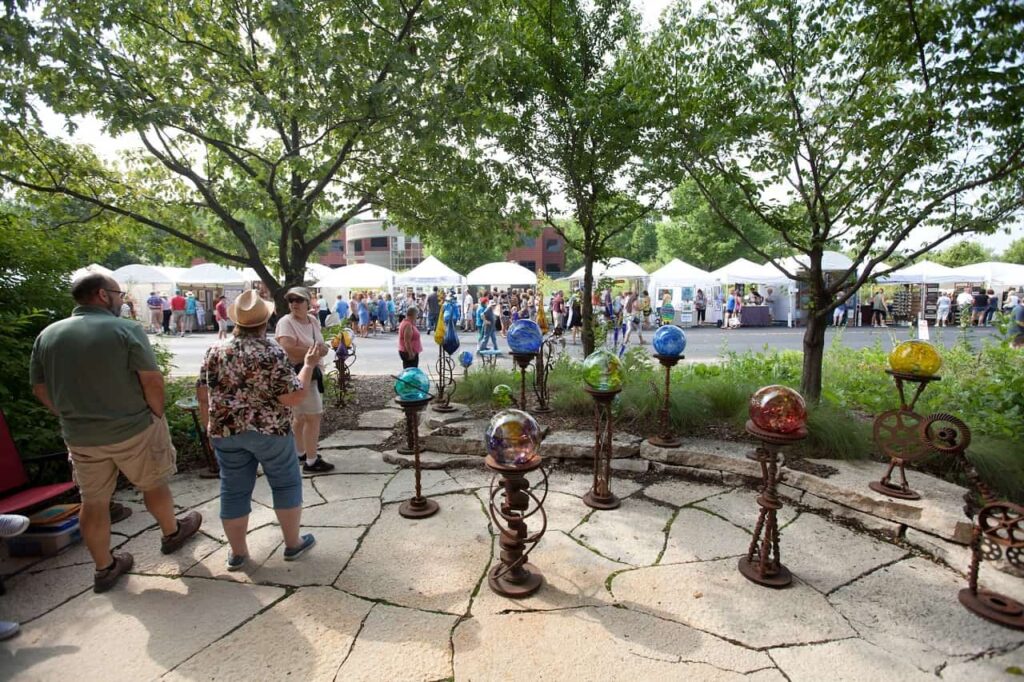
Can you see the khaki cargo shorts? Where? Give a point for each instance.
(147, 459)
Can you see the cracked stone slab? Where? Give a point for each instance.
(740, 507)
(342, 514)
(381, 419)
(337, 488)
(910, 609)
(344, 438)
(994, 667)
(190, 490)
(212, 526)
(614, 644)
(704, 453)
(574, 576)
(462, 438)
(433, 563)
(32, 594)
(432, 482)
(139, 630)
(262, 493)
(868, 521)
(577, 481)
(438, 419)
(430, 460)
(319, 566)
(567, 444)
(631, 534)
(357, 461)
(633, 464)
(826, 556)
(697, 535)
(139, 521)
(471, 478)
(401, 644)
(714, 597)
(565, 512)
(303, 637)
(706, 476)
(145, 548)
(261, 541)
(851, 660)
(682, 493)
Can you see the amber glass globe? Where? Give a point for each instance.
(918, 358)
(778, 409)
(512, 438)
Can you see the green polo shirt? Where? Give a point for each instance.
(89, 363)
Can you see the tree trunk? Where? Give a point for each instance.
(587, 305)
(814, 354)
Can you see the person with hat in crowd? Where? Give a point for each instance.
(191, 310)
(245, 389)
(490, 320)
(97, 372)
(295, 333)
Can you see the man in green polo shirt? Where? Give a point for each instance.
(96, 371)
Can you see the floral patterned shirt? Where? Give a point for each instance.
(244, 376)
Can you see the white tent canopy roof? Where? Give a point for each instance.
(138, 273)
(214, 274)
(431, 272)
(678, 273)
(359, 275)
(613, 268)
(171, 271)
(743, 270)
(922, 272)
(831, 261)
(91, 269)
(992, 273)
(501, 274)
(316, 271)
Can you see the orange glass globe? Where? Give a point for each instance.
(918, 358)
(778, 409)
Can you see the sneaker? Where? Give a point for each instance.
(187, 527)
(8, 629)
(12, 524)
(292, 554)
(302, 458)
(108, 577)
(319, 466)
(235, 562)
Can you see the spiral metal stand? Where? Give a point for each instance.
(600, 495)
(998, 529)
(896, 435)
(513, 576)
(343, 365)
(445, 381)
(542, 369)
(666, 439)
(418, 507)
(763, 562)
(523, 361)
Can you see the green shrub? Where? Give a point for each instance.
(476, 387)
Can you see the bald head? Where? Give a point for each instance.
(97, 289)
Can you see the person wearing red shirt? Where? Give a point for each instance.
(220, 314)
(178, 313)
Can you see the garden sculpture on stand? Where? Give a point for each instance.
(669, 344)
(344, 358)
(602, 372)
(447, 343)
(524, 342)
(412, 389)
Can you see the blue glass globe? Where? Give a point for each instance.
(669, 341)
(465, 358)
(412, 384)
(524, 336)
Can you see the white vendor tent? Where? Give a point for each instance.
(141, 274)
(315, 272)
(831, 261)
(992, 273)
(431, 272)
(923, 272)
(171, 271)
(91, 269)
(676, 273)
(613, 268)
(358, 276)
(501, 274)
(743, 270)
(212, 274)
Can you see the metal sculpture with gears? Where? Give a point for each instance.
(896, 435)
(998, 527)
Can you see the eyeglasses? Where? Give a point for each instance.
(296, 300)
(120, 293)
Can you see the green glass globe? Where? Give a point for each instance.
(502, 396)
(602, 371)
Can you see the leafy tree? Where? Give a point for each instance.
(567, 115)
(962, 253)
(848, 123)
(255, 117)
(1014, 252)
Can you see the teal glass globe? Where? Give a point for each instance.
(513, 438)
(412, 384)
(524, 336)
(602, 371)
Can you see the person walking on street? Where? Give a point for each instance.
(220, 314)
(878, 309)
(165, 306)
(993, 306)
(156, 313)
(489, 333)
(245, 389)
(433, 309)
(942, 309)
(190, 312)
(98, 374)
(980, 305)
(341, 309)
(322, 311)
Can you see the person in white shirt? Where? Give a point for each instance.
(1012, 299)
(322, 312)
(468, 313)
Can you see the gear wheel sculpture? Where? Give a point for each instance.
(897, 436)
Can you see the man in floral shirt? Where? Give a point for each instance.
(246, 389)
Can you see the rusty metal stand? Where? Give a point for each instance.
(600, 495)
(523, 361)
(666, 439)
(895, 434)
(417, 507)
(513, 576)
(445, 381)
(343, 363)
(542, 369)
(191, 405)
(763, 562)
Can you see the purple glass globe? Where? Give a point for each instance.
(512, 438)
(524, 336)
(669, 341)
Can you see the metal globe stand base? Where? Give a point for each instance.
(666, 439)
(513, 576)
(895, 433)
(523, 361)
(993, 606)
(545, 358)
(890, 489)
(763, 562)
(600, 495)
(445, 381)
(417, 507)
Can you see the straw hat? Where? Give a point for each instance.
(249, 310)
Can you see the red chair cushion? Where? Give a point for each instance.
(12, 471)
(33, 496)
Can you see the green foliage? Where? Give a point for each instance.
(962, 253)
(1014, 252)
(478, 385)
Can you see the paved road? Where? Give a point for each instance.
(378, 355)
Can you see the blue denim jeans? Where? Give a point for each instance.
(239, 456)
(488, 335)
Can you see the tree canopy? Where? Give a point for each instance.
(962, 253)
